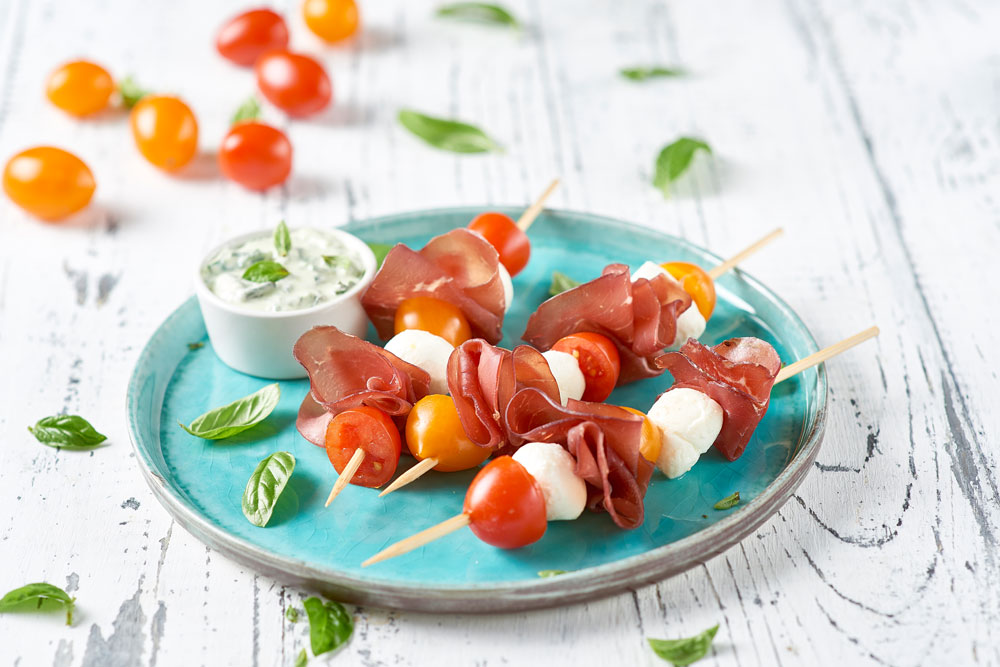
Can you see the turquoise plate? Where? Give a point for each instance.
(201, 482)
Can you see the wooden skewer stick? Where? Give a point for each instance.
(824, 354)
(411, 475)
(731, 263)
(347, 475)
(532, 211)
(420, 539)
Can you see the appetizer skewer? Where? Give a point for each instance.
(506, 483)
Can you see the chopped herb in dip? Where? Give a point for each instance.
(319, 267)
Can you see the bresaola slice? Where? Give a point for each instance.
(640, 317)
(604, 440)
(346, 372)
(459, 267)
(737, 374)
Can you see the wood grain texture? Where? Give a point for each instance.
(869, 131)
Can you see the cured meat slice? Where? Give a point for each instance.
(459, 267)
(604, 440)
(346, 372)
(640, 317)
(737, 374)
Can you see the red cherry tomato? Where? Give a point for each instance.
(255, 155)
(372, 430)
(246, 37)
(505, 505)
(80, 87)
(165, 131)
(503, 234)
(435, 316)
(599, 360)
(331, 20)
(48, 182)
(295, 83)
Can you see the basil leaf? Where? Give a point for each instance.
(249, 110)
(237, 416)
(684, 651)
(644, 73)
(38, 593)
(560, 283)
(545, 574)
(66, 431)
(131, 92)
(282, 239)
(302, 659)
(448, 135)
(292, 614)
(265, 271)
(728, 502)
(380, 250)
(196, 346)
(330, 626)
(674, 160)
(265, 486)
(481, 12)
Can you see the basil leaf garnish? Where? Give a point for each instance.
(282, 239)
(292, 614)
(249, 110)
(728, 502)
(674, 160)
(236, 417)
(131, 92)
(545, 574)
(684, 651)
(38, 593)
(265, 272)
(302, 659)
(330, 626)
(561, 282)
(380, 250)
(448, 135)
(265, 486)
(644, 73)
(481, 12)
(66, 431)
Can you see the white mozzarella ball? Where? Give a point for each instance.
(650, 270)
(689, 422)
(690, 323)
(508, 287)
(567, 373)
(552, 467)
(424, 349)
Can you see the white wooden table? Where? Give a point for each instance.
(870, 131)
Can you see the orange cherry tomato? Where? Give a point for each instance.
(47, 182)
(255, 155)
(295, 83)
(331, 20)
(433, 430)
(598, 359)
(247, 36)
(80, 87)
(372, 430)
(505, 505)
(165, 131)
(503, 234)
(695, 282)
(434, 315)
(650, 441)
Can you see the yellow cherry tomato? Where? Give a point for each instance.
(435, 316)
(48, 182)
(165, 131)
(80, 87)
(695, 282)
(331, 20)
(650, 442)
(433, 430)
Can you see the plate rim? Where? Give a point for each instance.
(594, 582)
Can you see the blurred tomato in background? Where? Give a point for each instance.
(295, 83)
(331, 20)
(80, 87)
(249, 35)
(48, 182)
(165, 131)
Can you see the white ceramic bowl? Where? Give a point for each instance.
(260, 343)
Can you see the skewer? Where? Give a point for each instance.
(410, 475)
(420, 539)
(731, 263)
(535, 209)
(824, 354)
(347, 475)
